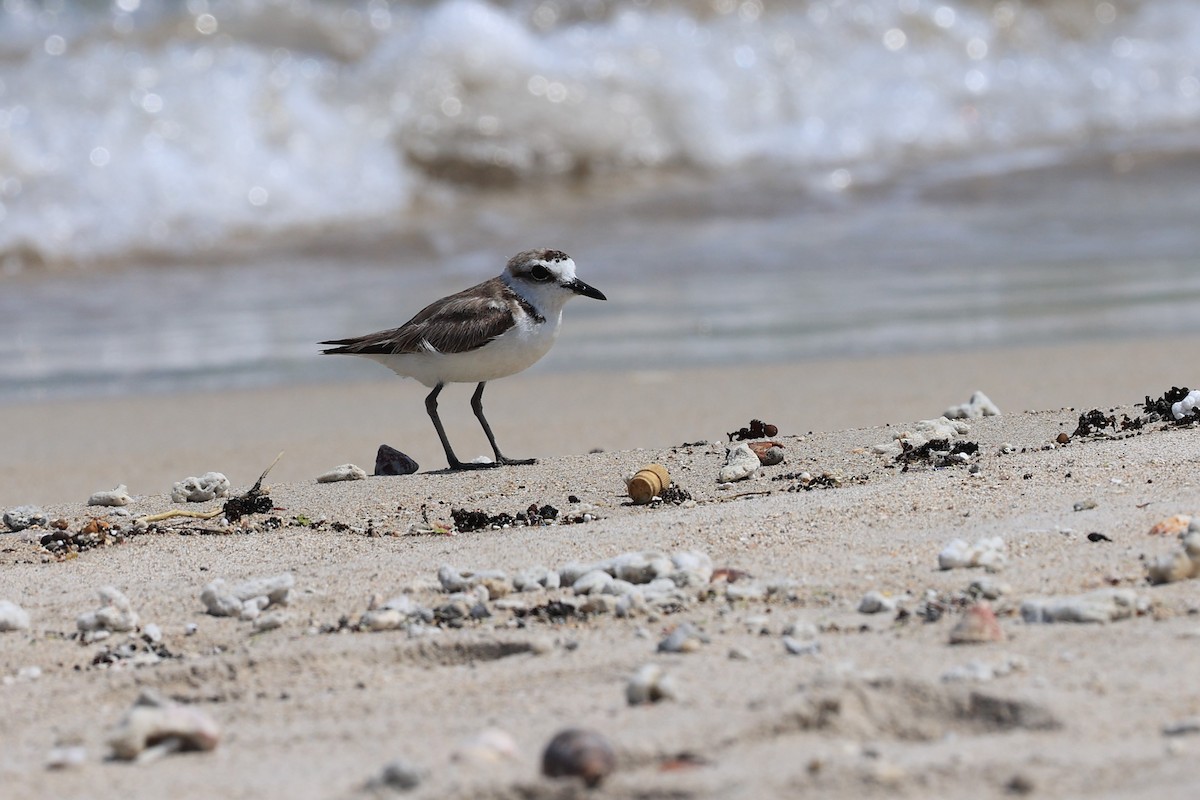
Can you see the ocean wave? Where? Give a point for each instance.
(153, 129)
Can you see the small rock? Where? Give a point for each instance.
(208, 486)
(344, 472)
(390, 461)
(740, 463)
(13, 617)
(22, 517)
(797, 647)
(594, 582)
(398, 775)
(1103, 605)
(769, 453)
(269, 622)
(977, 626)
(1171, 526)
(489, 746)
(111, 497)
(739, 654)
(114, 615)
(686, 638)
(977, 407)
(155, 727)
(874, 602)
(987, 553)
(650, 684)
(579, 753)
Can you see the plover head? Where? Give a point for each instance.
(546, 278)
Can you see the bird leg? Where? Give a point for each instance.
(431, 407)
(477, 407)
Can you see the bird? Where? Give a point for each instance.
(492, 330)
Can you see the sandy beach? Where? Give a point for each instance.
(867, 705)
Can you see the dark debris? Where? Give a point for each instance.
(466, 521)
(757, 429)
(936, 452)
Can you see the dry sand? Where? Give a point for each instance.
(310, 714)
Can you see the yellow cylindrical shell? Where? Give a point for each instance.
(648, 483)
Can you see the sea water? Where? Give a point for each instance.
(193, 194)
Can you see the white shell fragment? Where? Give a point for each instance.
(208, 486)
(111, 497)
(650, 684)
(1104, 605)
(1187, 406)
(489, 746)
(977, 407)
(987, 553)
(740, 463)
(115, 614)
(154, 727)
(345, 472)
(249, 599)
(13, 617)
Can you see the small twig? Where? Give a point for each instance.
(179, 512)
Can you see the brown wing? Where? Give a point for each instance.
(456, 324)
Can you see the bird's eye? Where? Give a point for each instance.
(540, 274)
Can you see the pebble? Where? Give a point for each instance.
(740, 463)
(978, 407)
(398, 775)
(686, 638)
(248, 599)
(152, 633)
(579, 753)
(650, 684)
(694, 562)
(745, 591)
(114, 615)
(874, 602)
(13, 617)
(344, 472)
(489, 746)
(1171, 526)
(154, 727)
(22, 517)
(642, 567)
(988, 588)
(796, 647)
(594, 582)
(1103, 605)
(390, 461)
(977, 626)
(1183, 563)
(111, 497)
(536, 578)
(987, 553)
(208, 486)
(769, 453)
(269, 622)
(739, 654)
(494, 581)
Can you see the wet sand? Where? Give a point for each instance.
(1077, 711)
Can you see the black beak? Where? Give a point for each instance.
(579, 287)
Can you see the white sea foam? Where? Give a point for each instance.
(172, 129)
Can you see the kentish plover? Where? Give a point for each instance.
(495, 329)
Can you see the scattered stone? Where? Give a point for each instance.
(115, 614)
(111, 497)
(495, 581)
(1171, 526)
(489, 746)
(977, 626)
(988, 588)
(22, 517)
(1183, 563)
(1084, 505)
(874, 602)
(987, 553)
(249, 599)
(686, 638)
(978, 407)
(269, 622)
(798, 647)
(398, 775)
(208, 486)
(535, 579)
(1103, 605)
(390, 461)
(650, 684)
(769, 452)
(344, 472)
(152, 634)
(1183, 727)
(740, 463)
(579, 753)
(13, 617)
(154, 727)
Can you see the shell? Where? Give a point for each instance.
(648, 483)
(978, 626)
(1171, 526)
